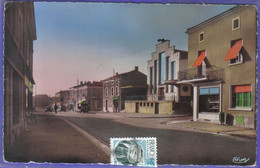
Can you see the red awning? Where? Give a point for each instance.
(246, 88)
(199, 59)
(233, 52)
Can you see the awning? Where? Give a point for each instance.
(116, 98)
(233, 52)
(200, 59)
(245, 88)
(82, 101)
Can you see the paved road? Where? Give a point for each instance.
(176, 147)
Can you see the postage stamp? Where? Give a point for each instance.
(134, 151)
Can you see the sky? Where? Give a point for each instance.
(89, 41)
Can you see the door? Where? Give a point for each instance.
(106, 106)
(136, 107)
(156, 109)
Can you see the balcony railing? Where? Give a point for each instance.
(210, 73)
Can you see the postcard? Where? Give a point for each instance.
(137, 84)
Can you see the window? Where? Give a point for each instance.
(241, 96)
(201, 37)
(141, 104)
(239, 57)
(156, 76)
(112, 91)
(151, 80)
(236, 23)
(151, 104)
(117, 91)
(148, 104)
(168, 62)
(163, 67)
(173, 74)
(144, 104)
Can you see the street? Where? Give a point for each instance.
(175, 147)
(54, 140)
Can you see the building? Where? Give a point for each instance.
(42, 100)
(62, 99)
(19, 34)
(117, 89)
(91, 92)
(163, 97)
(164, 66)
(222, 67)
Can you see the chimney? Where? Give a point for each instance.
(136, 68)
(81, 82)
(116, 73)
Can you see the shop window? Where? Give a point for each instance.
(241, 96)
(201, 37)
(236, 23)
(209, 99)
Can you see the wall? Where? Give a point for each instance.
(165, 107)
(217, 38)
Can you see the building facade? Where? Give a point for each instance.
(163, 69)
(91, 92)
(222, 67)
(121, 87)
(62, 99)
(19, 34)
(42, 100)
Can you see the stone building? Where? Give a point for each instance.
(164, 66)
(117, 89)
(164, 95)
(91, 92)
(222, 67)
(19, 34)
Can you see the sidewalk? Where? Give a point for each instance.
(53, 140)
(217, 129)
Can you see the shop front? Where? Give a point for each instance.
(209, 102)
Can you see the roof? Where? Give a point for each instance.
(94, 83)
(210, 20)
(118, 75)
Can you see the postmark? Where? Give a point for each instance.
(140, 151)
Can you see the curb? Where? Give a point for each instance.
(90, 137)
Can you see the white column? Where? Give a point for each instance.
(195, 103)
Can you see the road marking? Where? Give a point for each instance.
(94, 140)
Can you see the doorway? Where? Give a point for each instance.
(106, 105)
(156, 109)
(136, 107)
